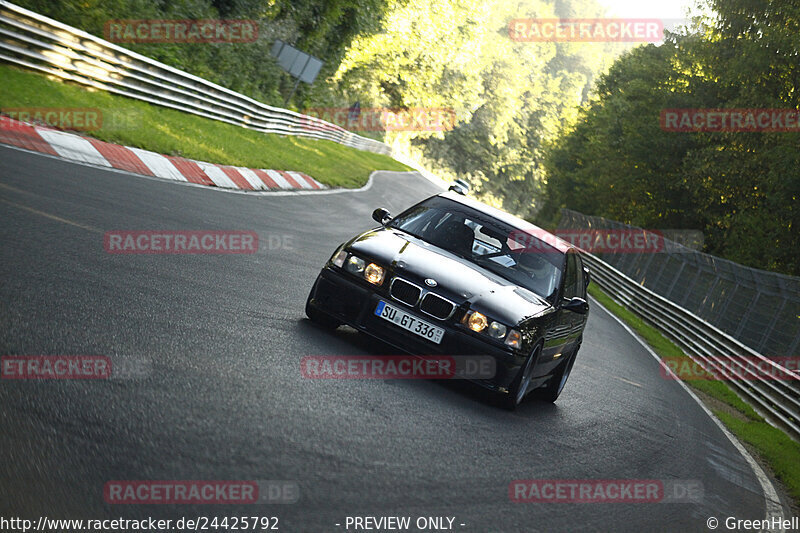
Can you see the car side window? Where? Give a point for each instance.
(571, 277)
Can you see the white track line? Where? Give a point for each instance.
(771, 500)
(271, 192)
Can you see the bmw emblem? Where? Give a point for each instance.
(430, 282)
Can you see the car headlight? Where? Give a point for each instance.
(514, 339)
(355, 265)
(338, 258)
(497, 330)
(374, 274)
(477, 321)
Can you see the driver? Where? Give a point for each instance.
(533, 264)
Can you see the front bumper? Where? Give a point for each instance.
(353, 303)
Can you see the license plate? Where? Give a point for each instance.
(409, 322)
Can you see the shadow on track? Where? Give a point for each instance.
(459, 391)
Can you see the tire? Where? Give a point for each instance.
(551, 390)
(518, 390)
(319, 317)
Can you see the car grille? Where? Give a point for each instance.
(406, 292)
(436, 306)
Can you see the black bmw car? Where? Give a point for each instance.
(454, 276)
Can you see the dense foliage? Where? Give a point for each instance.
(324, 29)
(536, 129)
(740, 188)
(509, 97)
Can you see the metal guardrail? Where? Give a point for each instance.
(777, 400)
(757, 307)
(34, 41)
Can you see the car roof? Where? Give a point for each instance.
(559, 244)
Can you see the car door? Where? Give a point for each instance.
(561, 333)
(578, 321)
(573, 287)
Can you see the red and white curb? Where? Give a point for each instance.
(99, 153)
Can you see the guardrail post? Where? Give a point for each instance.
(771, 326)
(672, 285)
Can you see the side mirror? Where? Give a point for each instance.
(381, 216)
(460, 186)
(576, 305)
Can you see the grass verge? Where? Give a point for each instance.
(774, 447)
(168, 131)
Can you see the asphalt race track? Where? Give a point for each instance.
(216, 342)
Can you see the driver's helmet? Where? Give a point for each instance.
(534, 264)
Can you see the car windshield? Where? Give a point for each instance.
(489, 243)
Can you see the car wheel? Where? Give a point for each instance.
(519, 387)
(551, 390)
(320, 317)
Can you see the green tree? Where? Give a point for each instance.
(740, 188)
(510, 97)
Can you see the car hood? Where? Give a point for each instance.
(457, 279)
